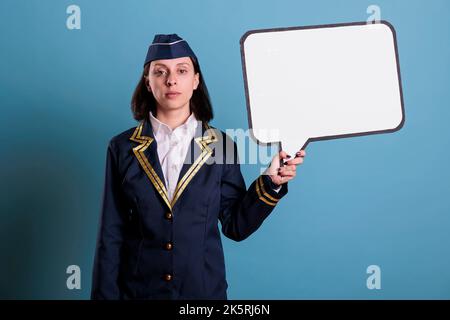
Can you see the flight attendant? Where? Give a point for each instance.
(168, 183)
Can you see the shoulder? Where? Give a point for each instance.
(225, 147)
(122, 139)
(220, 135)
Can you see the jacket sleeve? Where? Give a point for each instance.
(243, 211)
(110, 233)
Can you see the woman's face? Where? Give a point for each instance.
(172, 82)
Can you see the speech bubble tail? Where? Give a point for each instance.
(292, 146)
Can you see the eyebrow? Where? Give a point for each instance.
(162, 64)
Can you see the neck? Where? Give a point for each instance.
(173, 118)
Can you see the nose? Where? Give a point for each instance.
(171, 80)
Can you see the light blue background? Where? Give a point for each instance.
(381, 199)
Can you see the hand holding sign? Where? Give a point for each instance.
(281, 171)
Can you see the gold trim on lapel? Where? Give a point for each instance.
(145, 141)
(139, 153)
(203, 143)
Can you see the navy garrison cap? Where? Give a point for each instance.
(168, 46)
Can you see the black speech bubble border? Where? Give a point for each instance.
(349, 135)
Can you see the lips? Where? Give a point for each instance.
(172, 94)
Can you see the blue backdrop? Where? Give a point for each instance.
(376, 200)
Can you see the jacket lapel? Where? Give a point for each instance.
(147, 155)
(199, 151)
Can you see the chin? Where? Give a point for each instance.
(173, 105)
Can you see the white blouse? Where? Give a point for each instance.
(173, 146)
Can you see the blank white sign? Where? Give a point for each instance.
(322, 82)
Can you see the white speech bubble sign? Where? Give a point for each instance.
(321, 82)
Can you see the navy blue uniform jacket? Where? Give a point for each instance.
(151, 248)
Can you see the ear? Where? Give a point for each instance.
(196, 80)
(147, 84)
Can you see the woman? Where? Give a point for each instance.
(168, 183)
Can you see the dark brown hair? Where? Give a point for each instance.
(143, 101)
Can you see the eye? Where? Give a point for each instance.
(158, 72)
(183, 71)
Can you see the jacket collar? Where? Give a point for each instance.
(146, 153)
(161, 129)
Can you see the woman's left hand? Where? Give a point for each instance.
(280, 175)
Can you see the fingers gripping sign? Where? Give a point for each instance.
(283, 167)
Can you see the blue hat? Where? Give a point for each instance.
(168, 46)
